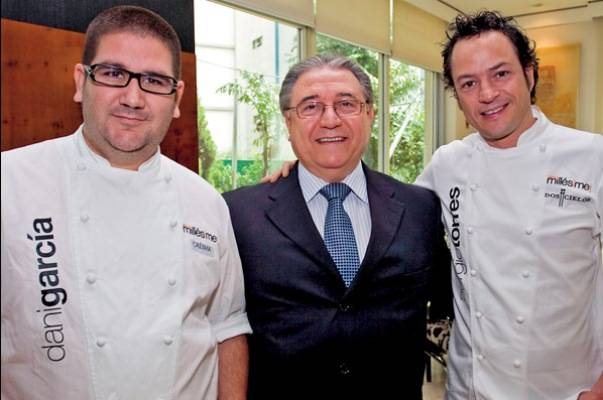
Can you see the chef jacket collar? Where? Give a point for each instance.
(531, 135)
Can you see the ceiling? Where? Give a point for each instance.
(530, 12)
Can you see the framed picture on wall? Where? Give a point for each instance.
(559, 80)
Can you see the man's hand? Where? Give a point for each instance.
(279, 173)
(595, 393)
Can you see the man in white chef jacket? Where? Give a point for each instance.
(522, 200)
(120, 273)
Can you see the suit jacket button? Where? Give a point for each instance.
(345, 307)
(344, 369)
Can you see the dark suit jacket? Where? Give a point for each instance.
(314, 338)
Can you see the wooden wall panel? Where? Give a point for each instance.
(37, 91)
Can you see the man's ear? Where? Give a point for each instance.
(529, 73)
(179, 93)
(370, 111)
(79, 76)
(288, 120)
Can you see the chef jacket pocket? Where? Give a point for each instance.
(206, 266)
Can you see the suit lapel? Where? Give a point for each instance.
(386, 216)
(290, 214)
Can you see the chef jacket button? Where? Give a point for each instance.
(525, 274)
(529, 230)
(517, 363)
(480, 357)
(84, 217)
(535, 187)
(542, 148)
(173, 224)
(473, 272)
(81, 167)
(168, 340)
(473, 187)
(91, 278)
(478, 314)
(168, 178)
(101, 342)
(470, 230)
(172, 282)
(520, 319)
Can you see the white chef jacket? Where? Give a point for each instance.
(524, 227)
(116, 284)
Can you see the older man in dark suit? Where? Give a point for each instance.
(339, 261)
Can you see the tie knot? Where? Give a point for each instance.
(337, 190)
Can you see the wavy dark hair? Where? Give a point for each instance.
(467, 26)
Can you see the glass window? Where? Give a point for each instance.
(407, 121)
(241, 61)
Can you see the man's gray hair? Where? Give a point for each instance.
(331, 61)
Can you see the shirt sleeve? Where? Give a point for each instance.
(227, 309)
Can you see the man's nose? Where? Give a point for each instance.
(132, 95)
(487, 91)
(329, 118)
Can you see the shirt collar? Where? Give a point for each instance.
(311, 184)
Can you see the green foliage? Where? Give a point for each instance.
(220, 176)
(254, 91)
(251, 174)
(407, 120)
(207, 146)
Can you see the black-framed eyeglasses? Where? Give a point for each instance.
(315, 109)
(114, 76)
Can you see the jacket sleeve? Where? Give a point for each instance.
(440, 293)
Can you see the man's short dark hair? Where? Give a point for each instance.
(467, 26)
(136, 20)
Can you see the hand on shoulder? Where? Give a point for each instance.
(283, 172)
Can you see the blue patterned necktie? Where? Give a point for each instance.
(339, 234)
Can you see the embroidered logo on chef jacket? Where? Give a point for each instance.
(454, 205)
(52, 295)
(193, 230)
(567, 190)
(198, 245)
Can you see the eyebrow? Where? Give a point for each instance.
(314, 96)
(120, 65)
(493, 68)
(497, 66)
